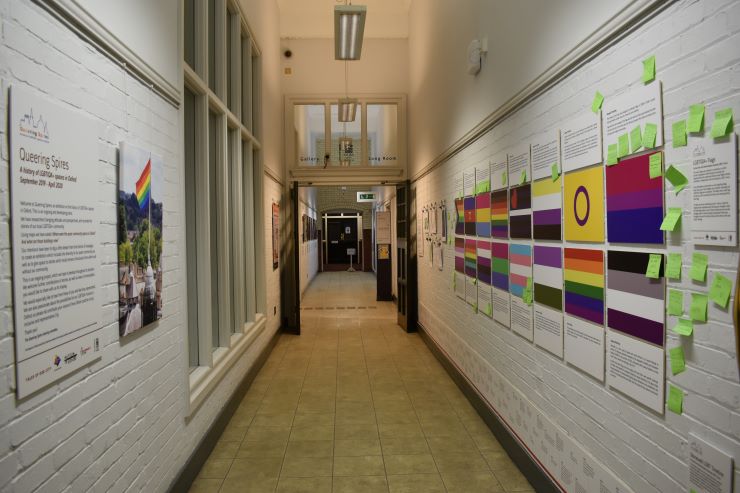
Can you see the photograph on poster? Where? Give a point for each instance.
(140, 238)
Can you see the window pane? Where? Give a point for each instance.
(213, 122)
(191, 228)
(229, 66)
(234, 252)
(246, 83)
(249, 238)
(309, 121)
(190, 32)
(346, 139)
(382, 134)
(212, 44)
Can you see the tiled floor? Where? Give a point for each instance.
(355, 404)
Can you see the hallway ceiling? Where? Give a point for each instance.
(315, 18)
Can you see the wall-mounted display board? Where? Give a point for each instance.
(383, 227)
(140, 238)
(54, 206)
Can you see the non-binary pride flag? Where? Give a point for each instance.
(500, 214)
(144, 186)
(584, 284)
(634, 202)
(635, 303)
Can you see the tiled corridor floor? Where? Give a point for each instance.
(355, 404)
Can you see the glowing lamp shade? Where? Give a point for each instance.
(347, 109)
(349, 29)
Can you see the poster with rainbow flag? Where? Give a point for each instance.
(140, 196)
(500, 214)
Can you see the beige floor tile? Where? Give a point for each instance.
(471, 482)
(224, 450)
(233, 433)
(404, 446)
(356, 447)
(304, 485)
(512, 479)
(415, 483)
(312, 432)
(325, 419)
(310, 448)
(215, 468)
(403, 430)
(278, 420)
(306, 467)
(452, 445)
(393, 417)
(255, 467)
(367, 465)
(409, 464)
(470, 461)
(360, 484)
(202, 485)
(255, 484)
(348, 431)
(261, 448)
(267, 433)
(498, 460)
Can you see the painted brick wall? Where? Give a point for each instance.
(696, 47)
(309, 256)
(119, 424)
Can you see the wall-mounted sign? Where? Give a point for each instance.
(383, 227)
(53, 183)
(365, 196)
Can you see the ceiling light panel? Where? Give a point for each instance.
(349, 30)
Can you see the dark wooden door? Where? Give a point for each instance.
(342, 235)
(405, 258)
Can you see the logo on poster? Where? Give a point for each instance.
(57, 360)
(33, 128)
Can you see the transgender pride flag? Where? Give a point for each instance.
(144, 186)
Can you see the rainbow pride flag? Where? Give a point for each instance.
(144, 185)
(584, 284)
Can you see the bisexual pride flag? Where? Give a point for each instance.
(144, 186)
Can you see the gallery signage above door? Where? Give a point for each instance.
(365, 196)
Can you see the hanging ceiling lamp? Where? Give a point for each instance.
(349, 29)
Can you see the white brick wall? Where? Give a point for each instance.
(696, 48)
(119, 424)
(309, 254)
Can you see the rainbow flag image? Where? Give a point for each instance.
(144, 185)
(584, 284)
(500, 214)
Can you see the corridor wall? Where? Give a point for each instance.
(624, 443)
(309, 247)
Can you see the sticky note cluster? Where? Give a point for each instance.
(675, 302)
(685, 327)
(698, 309)
(656, 165)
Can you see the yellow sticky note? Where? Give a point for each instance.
(648, 137)
(696, 118)
(684, 327)
(648, 69)
(635, 139)
(722, 124)
(698, 309)
(676, 178)
(678, 363)
(675, 399)
(671, 219)
(523, 177)
(699, 263)
(656, 165)
(653, 267)
(679, 133)
(673, 266)
(675, 302)
(719, 292)
(624, 145)
(612, 153)
(596, 103)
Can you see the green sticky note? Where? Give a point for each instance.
(523, 177)
(656, 165)
(698, 309)
(673, 266)
(678, 364)
(555, 171)
(675, 302)
(503, 178)
(699, 263)
(596, 103)
(679, 133)
(671, 219)
(475, 307)
(676, 178)
(648, 69)
(653, 267)
(675, 400)
(719, 292)
(635, 139)
(648, 137)
(722, 124)
(612, 158)
(696, 118)
(685, 327)
(488, 310)
(624, 145)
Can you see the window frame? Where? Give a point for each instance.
(239, 210)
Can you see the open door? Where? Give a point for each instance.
(406, 257)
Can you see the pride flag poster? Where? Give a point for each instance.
(140, 206)
(483, 254)
(460, 254)
(483, 214)
(583, 200)
(469, 216)
(500, 281)
(520, 212)
(460, 218)
(547, 200)
(584, 284)
(635, 302)
(634, 202)
(500, 214)
(470, 258)
(547, 273)
(520, 257)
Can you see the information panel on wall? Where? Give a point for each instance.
(54, 205)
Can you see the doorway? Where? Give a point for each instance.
(343, 241)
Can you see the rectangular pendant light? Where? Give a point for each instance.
(347, 109)
(349, 29)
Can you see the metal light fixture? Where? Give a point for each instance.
(349, 29)
(347, 109)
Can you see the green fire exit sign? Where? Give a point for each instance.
(365, 196)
